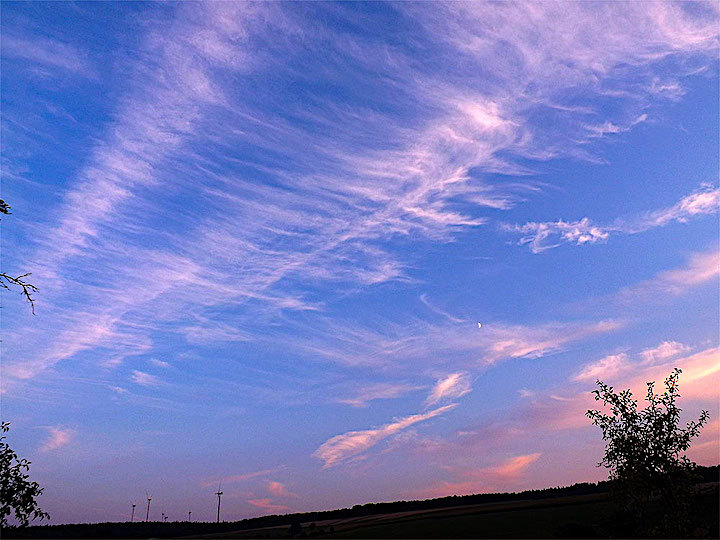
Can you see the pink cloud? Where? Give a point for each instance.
(279, 490)
(700, 378)
(545, 417)
(706, 449)
(699, 381)
(267, 505)
(483, 480)
(58, 437)
(512, 467)
(235, 478)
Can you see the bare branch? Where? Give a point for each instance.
(28, 289)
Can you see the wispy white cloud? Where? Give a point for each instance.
(431, 307)
(671, 90)
(47, 52)
(453, 386)
(343, 447)
(364, 394)
(547, 235)
(57, 438)
(327, 194)
(159, 363)
(160, 113)
(612, 129)
(605, 368)
(576, 232)
(213, 332)
(144, 379)
(702, 202)
(619, 364)
(664, 351)
(419, 343)
(700, 269)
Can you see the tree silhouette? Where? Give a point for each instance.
(645, 454)
(17, 493)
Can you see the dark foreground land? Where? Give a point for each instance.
(579, 511)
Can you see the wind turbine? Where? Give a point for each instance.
(132, 516)
(189, 513)
(219, 494)
(147, 513)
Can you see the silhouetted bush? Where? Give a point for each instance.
(645, 454)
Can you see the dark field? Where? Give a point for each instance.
(491, 520)
(584, 516)
(575, 516)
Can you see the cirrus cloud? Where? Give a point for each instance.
(547, 235)
(343, 447)
(452, 386)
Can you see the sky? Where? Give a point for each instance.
(326, 254)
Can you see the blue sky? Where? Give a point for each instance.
(264, 236)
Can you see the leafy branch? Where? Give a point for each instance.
(19, 494)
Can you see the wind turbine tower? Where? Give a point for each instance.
(147, 513)
(132, 516)
(189, 514)
(219, 494)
